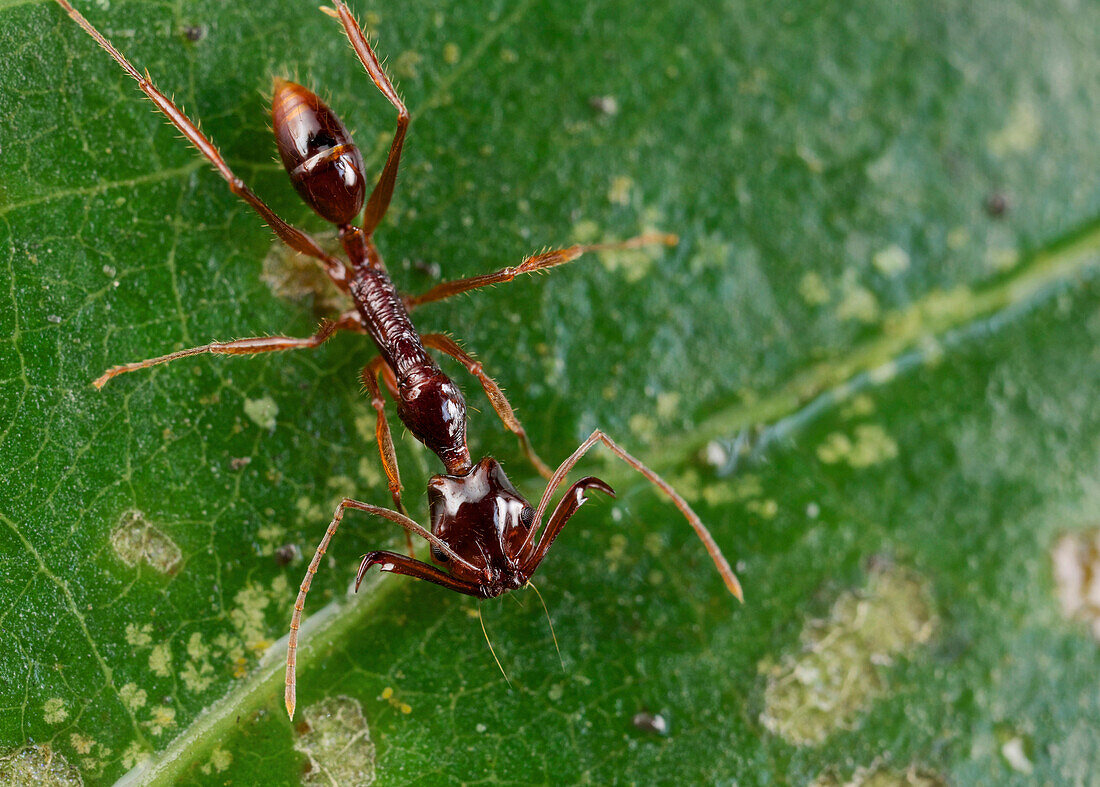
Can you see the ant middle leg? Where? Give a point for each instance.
(290, 235)
(349, 321)
(385, 439)
(536, 262)
(379, 200)
(500, 403)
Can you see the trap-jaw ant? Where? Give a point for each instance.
(482, 530)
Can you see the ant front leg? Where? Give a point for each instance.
(496, 396)
(575, 497)
(300, 603)
(349, 321)
(537, 262)
(385, 439)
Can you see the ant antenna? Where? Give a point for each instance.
(552, 634)
(490, 644)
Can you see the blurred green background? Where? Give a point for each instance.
(871, 364)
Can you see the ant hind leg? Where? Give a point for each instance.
(290, 235)
(379, 200)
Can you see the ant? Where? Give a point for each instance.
(482, 529)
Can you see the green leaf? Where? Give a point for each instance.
(870, 364)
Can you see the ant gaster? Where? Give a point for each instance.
(482, 530)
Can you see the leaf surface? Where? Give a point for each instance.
(870, 363)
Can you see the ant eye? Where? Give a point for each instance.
(527, 516)
(438, 555)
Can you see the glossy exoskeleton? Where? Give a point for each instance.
(486, 535)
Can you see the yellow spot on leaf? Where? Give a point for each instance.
(262, 412)
(1076, 558)
(840, 669)
(136, 540)
(139, 637)
(892, 260)
(871, 446)
(812, 289)
(81, 744)
(53, 711)
(160, 660)
(621, 188)
(337, 742)
(160, 718)
(451, 53)
(1021, 132)
(132, 697)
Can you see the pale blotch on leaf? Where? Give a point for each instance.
(219, 761)
(870, 445)
(812, 289)
(295, 277)
(1021, 131)
(841, 668)
(262, 412)
(1076, 558)
(247, 616)
(161, 717)
(336, 738)
(133, 697)
(891, 261)
(620, 190)
(139, 636)
(882, 776)
(53, 710)
(407, 65)
(136, 540)
(37, 765)
(856, 301)
(1014, 751)
(160, 660)
(81, 744)
(135, 753)
(451, 53)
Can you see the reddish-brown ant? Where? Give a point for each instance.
(482, 529)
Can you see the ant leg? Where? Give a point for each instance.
(258, 344)
(380, 198)
(385, 439)
(575, 497)
(496, 396)
(291, 236)
(399, 564)
(536, 262)
(314, 564)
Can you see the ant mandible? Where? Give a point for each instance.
(482, 529)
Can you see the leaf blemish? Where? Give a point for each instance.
(38, 765)
(812, 694)
(137, 540)
(336, 739)
(295, 277)
(262, 412)
(1076, 559)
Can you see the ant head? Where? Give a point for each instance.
(484, 519)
